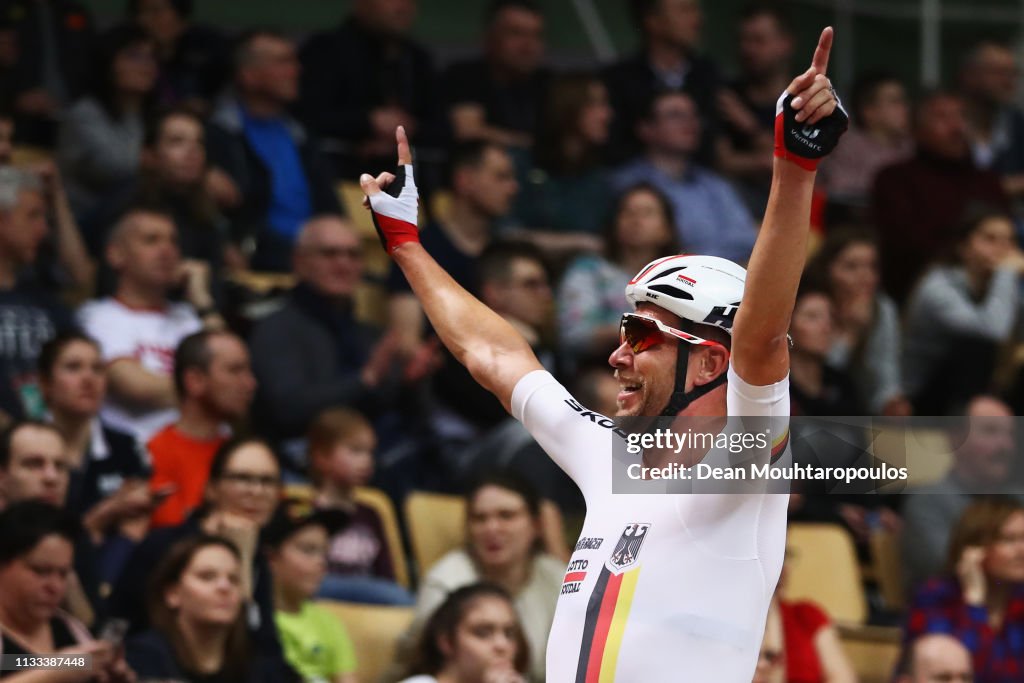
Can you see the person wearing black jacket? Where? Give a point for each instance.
(280, 179)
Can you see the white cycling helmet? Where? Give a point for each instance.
(702, 289)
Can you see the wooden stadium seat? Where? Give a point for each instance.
(436, 523)
(822, 566)
(874, 652)
(379, 501)
(887, 568)
(926, 453)
(374, 630)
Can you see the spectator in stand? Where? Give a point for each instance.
(6, 135)
(504, 546)
(242, 491)
(984, 450)
(568, 190)
(514, 282)
(918, 203)
(315, 641)
(55, 40)
(497, 96)
(196, 603)
(981, 601)
(880, 136)
(961, 313)
(988, 82)
(276, 177)
(747, 106)
(313, 353)
(474, 635)
(816, 388)
(29, 315)
(214, 384)
(866, 339)
(592, 296)
(108, 486)
(343, 99)
(174, 175)
(194, 59)
(483, 185)
(359, 566)
(709, 214)
(668, 61)
(936, 657)
(101, 134)
(36, 556)
(139, 327)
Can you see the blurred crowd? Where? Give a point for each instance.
(205, 356)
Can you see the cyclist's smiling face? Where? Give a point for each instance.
(646, 379)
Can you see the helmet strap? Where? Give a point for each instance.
(681, 398)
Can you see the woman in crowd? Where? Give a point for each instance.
(101, 135)
(359, 566)
(960, 314)
(36, 556)
(108, 485)
(981, 600)
(241, 494)
(568, 190)
(866, 335)
(199, 635)
(592, 296)
(315, 642)
(474, 636)
(504, 547)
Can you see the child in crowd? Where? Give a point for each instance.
(359, 566)
(315, 642)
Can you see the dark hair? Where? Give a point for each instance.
(109, 46)
(193, 353)
(811, 285)
(510, 481)
(865, 90)
(182, 7)
(926, 98)
(52, 350)
(650, 104)
(328, 428)
(228, 448)
(469, 154)
(767, 8)
(140, 206)
(242, 54)
(979, 525)
(836, 242)
(495, 263)
(429, 657)
(167, 573)
(566, 98)
(24, 524)
(496, 7)
(641, 9)
(7, 437)
(974, 215)
(612, 252)
(155, 123)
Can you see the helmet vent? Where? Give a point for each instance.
(666, 273)
(674, 292)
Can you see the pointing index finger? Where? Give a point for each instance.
(821, 53)
(404, 154)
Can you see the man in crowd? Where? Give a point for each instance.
(483, 185)
(29, 315)
(988, 83)
(214, 383)
(33, 464)
(918, 203)
(140, 327)
(313, 353)
(344, 98)
(983, 459)
(710, 217)
(280, 178)
(937, 658)
(497, 97)
(668, 60)
(747, 106)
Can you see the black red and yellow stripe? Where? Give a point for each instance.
(607, 613)
(779, 445)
